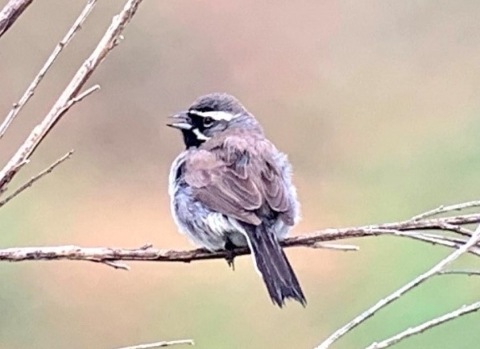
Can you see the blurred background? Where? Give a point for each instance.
(376, 104)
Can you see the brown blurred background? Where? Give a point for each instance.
(375, 102)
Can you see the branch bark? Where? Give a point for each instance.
(10, 13)
(110, 255)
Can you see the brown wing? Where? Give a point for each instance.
(236, 177)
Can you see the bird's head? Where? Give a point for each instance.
(210, 116)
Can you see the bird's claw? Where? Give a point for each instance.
(230, 254)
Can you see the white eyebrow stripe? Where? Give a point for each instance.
(216, 115)
(200, 135)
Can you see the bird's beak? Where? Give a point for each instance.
(181, 121)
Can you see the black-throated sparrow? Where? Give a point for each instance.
(232, 187)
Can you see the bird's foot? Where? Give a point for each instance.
(230, 259)
(230, 254)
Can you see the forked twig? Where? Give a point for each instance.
(51, 59)
(474, 239)
(67, 98)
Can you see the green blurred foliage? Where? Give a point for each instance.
(376, 104)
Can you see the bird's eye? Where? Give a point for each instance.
(208, 121)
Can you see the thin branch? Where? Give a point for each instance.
(33, 85)
(45, 172)
(147, 253)
(430, 238)
(10, 13)
(115, 265)
(444, 209)
(395, 228)
(439, 240)
(401, 291)
(161, 344)
(81, 96)
(466, 309)
(456, 229)
(460, 272)
(337, 247)
(106, 44)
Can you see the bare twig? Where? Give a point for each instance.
(10, 13)
(444, 209)
(466, 309)
(456, 229)
(81, 96)
(146, 253)
(116, 265)
(431, 238)
(401, 291)
(28, 184)
(337, 247)
(161, 344)
(106, 44)
(460, 272)
(395, 228)
(33, 85)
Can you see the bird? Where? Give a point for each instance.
(231, 187)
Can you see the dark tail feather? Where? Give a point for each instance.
(273, 265)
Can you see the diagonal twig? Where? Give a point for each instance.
(28, 184)
(161, 344)
(106, 44)
(10, 13)
(474, 239)
(80, 97)
(51, 59)
(444, 209)
(113, 264)
(466, 309)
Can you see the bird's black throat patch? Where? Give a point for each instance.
(190, 139)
